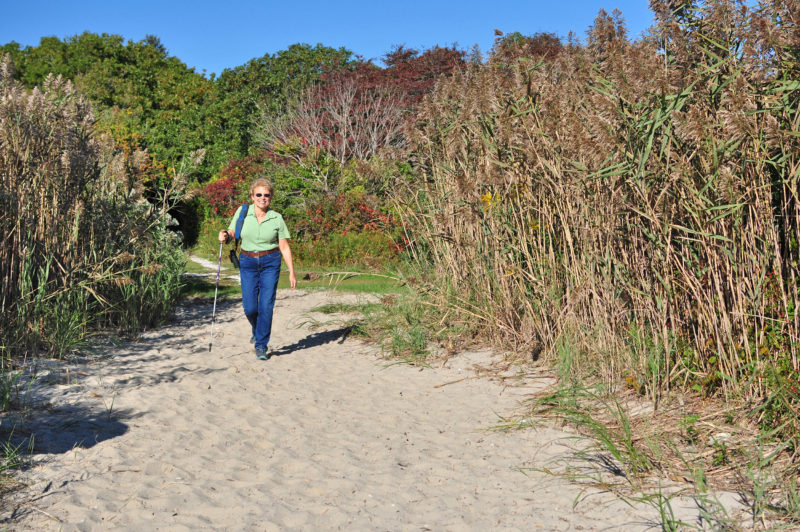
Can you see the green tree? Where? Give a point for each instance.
(142, 95)
(12, 50)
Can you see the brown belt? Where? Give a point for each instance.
(256, 254)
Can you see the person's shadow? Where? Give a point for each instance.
(314, 340)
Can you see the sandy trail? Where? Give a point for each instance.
(167, 436)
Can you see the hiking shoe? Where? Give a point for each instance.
(262, 354)
(253, 339)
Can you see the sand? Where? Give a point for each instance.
(326, 435)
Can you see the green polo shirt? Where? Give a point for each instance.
(260, 236)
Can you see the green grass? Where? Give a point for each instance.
(193, 267)
(347, 308)
(402, 324)
(9, 388)
(196, 287)
(359, 282)
(309, 277)
(203, 287)
(12, 456)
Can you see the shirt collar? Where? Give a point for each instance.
(251, 211)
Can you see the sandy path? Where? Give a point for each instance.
(322, 437)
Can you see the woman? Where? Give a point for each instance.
(264, 233)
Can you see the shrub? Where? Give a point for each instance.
(366, 249)
(293, 181)
(224, 193)
(347, 212)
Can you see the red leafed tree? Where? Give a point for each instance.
(356, 112)
(516, 46)
(415, 74)
(223, 194)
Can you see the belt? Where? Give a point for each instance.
(256, 254)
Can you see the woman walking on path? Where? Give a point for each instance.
(263, 234)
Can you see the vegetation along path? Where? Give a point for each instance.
(325, 435)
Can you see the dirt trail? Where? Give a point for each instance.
(326, 435)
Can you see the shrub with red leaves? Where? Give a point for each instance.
(342, 214)
(408, 73)
(229, 191)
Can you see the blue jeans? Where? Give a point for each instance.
(259, 284)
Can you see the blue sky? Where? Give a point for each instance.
(214, 35)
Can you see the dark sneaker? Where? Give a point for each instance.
(253, 339)
(262, 354)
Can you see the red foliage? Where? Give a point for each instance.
(407, 73)
(225, 194)
(221, 195)
(343, 214)
(414, 75)
(515, 45)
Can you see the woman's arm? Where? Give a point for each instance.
(286, 251)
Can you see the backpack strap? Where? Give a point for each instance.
(239, 223)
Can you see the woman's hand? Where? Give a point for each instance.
(292, 280)
(223, 237)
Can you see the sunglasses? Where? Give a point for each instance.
(258, 195)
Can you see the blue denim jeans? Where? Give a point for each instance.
(259, 284)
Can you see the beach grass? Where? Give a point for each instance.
(626, 212)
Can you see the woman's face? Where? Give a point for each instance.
(261, 197)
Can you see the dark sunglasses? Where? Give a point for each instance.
(258, 195)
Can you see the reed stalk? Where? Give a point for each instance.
(638, 199)
(81, 246)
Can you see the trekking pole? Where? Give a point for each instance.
(216, 289)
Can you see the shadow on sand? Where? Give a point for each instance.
(60, 430)
(314, 340)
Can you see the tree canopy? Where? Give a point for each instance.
(149, 99)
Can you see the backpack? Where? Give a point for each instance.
(237, 236)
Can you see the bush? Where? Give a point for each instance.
(293, 184)
(368, 249)
(352, 211)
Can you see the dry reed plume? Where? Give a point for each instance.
(76, 228)
(635, 202)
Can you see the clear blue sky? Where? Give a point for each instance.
(214, 35)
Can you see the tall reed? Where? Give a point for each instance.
(81, 247)
(636, 199)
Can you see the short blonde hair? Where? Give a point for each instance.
(262, 182)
